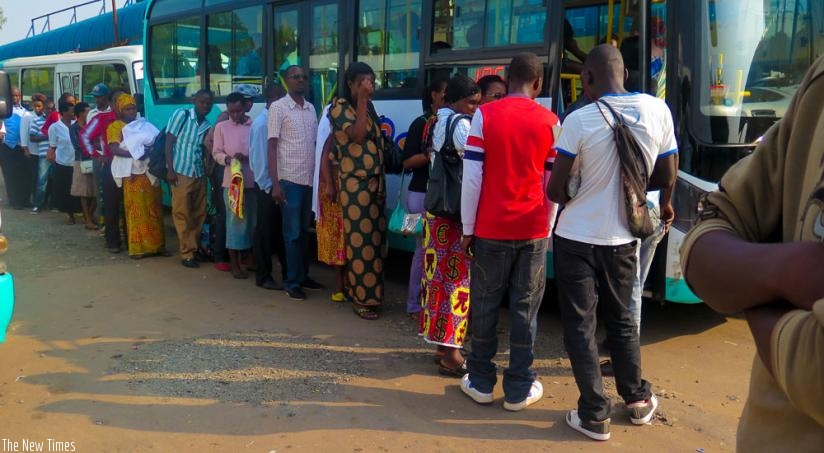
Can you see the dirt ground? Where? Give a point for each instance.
(114, 354)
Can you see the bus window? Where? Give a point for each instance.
(173, 49)
(235, 49)
(164, 7)
(458, 24)
(323, 54)
(14, 78)
(38, 80)
(287, 32)
(754, 56)
(511, 22)
(114, 75)
(389, 41)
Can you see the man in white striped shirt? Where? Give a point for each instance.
(293, 127)
(184, 158)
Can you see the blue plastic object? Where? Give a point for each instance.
(6, 303)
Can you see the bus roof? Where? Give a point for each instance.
(135, 53)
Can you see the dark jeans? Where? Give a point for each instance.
(297, 217)
(593, 278)
(516, 268)
(15, 175)
(219, 243)
(268, 238)
(112, 200)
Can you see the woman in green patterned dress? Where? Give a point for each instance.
(362, 189)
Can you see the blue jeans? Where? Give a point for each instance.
(297, 217)
(646, 251)
(516, 268)
(44, 169)
(596, 281)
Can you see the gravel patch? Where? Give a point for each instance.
(252, 368)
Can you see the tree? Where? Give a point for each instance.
(2, 18)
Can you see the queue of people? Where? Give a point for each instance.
(274, 170)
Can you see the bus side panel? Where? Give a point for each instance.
(676, 288)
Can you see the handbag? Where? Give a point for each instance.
(634, 175)
(443, 194)
(402, 222)
(86, 167)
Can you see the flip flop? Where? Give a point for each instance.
(365, 312)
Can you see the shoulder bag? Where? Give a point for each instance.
(634, 175)
(443, 194)
(402, 222)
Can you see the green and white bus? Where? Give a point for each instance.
(729, 67)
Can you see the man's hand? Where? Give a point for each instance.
(26, 151)
(277, 193)
(667, 215)
(171, 177)
(468, 245)
(240, 157)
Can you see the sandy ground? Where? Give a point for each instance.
(113, 354)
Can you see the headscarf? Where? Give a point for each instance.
(123, 101)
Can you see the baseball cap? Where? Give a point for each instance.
(248, 91)
(100, 90)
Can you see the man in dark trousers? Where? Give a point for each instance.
(594, 250)
(269, 228)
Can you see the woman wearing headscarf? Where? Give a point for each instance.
(142, 198)
(446, 269)
(362, 188)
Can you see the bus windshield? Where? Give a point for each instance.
(753, 56)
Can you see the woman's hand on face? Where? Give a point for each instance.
(367, 89)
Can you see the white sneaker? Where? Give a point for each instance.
(641, 412)
(593, 430)
(535, 394)
(476, 395)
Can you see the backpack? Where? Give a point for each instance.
(443, 193)
(157, 155)
(634, 175)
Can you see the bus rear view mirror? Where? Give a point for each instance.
(5, 96)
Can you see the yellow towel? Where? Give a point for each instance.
(236, 189)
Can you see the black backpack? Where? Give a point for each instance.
(157, 156)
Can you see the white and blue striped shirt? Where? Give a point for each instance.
(40, 148)
(187, 155)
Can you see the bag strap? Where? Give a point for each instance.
(183, 123)
(619, 121)
(451, 124)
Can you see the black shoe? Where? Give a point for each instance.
(270, 284)
(311, 285)
(295, 294)
(190, 263)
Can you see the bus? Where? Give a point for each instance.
(727, 68)
(77, 72)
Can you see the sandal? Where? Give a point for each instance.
(457, 372)
(365, 312)
(242, 275)
(92, 227)
(338, 297)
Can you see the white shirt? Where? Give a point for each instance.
(324, 129)
(60, 139)
(459, 136)
(597, 213)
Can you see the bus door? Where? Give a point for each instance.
(69, 82)
(308, 34)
